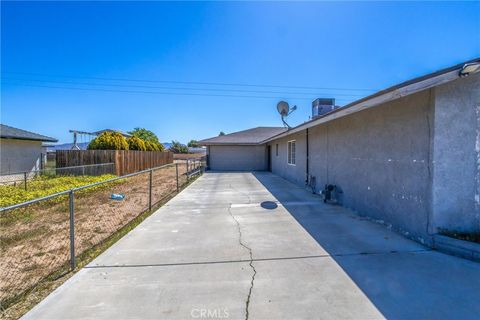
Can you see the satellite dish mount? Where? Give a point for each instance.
(284, 110)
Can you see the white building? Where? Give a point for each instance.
(20, 150)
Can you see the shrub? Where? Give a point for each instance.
(135, 143)
(154, 146)
(150, 146)
(151, 140)
(109, 141)
(160, 147)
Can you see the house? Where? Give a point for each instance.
(21, 150)
(408, 155)
(241, 151)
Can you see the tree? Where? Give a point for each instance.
(177, 147)
(145, 135)
(135, 143)
(109, 141)
(148, 136)
(193, 144)
(153, 147)
(221, 133)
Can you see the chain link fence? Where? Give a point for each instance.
(44, 237)
(35, 178)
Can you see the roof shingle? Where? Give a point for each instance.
(249, 136)
(7, 132)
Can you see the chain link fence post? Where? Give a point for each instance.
(176, 172)
(186, 173)
(72, 229)
(150, 190)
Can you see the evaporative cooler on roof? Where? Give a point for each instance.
(322, 106)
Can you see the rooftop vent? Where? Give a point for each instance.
(322, 106)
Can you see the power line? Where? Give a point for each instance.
(156, 92)
(179, 88)
(194, 82)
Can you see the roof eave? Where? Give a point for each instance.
(230, 143)
(398, 91)
(30, 139)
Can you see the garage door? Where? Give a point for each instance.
(237, 158)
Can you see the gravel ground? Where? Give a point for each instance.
(35, 240)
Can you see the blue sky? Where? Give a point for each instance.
(348, 46)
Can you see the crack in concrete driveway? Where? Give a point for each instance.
(240, 241)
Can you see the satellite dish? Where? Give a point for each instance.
(283, 108)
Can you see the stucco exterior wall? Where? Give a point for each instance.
(19, 155)
(379, 158)
(237, 158)
(456, 157)
(280, 166)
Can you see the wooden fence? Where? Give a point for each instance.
(126, 161)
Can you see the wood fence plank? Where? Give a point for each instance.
(126, 161)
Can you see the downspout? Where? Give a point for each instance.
(307, 166)
(208, 158)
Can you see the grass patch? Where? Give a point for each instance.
(44, 186)
(18, 237)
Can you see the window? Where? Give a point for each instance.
(276, 150)
(291, 152)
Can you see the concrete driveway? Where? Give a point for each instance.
(252, 245)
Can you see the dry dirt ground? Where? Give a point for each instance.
(35, 240)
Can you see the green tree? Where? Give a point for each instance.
(135, 143)
(177, 147)
(145, 135)
(221, 133)
(109, 141)
(152, 143)
(193, 144)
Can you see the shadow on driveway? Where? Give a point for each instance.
(402, 278)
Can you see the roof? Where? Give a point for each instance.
(67, 146)
(245, 137)
(7, 132)
(395, 92)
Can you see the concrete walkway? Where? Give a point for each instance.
(237, 245)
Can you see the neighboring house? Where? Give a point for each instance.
(67, 146)
(240, 151)
(21, 150)
(408, 155)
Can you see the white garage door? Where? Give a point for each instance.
(238, 158)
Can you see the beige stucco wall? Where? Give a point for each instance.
(413, 162)
(237, 158)
(378, 157)
(456, 158)
(19, 155)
